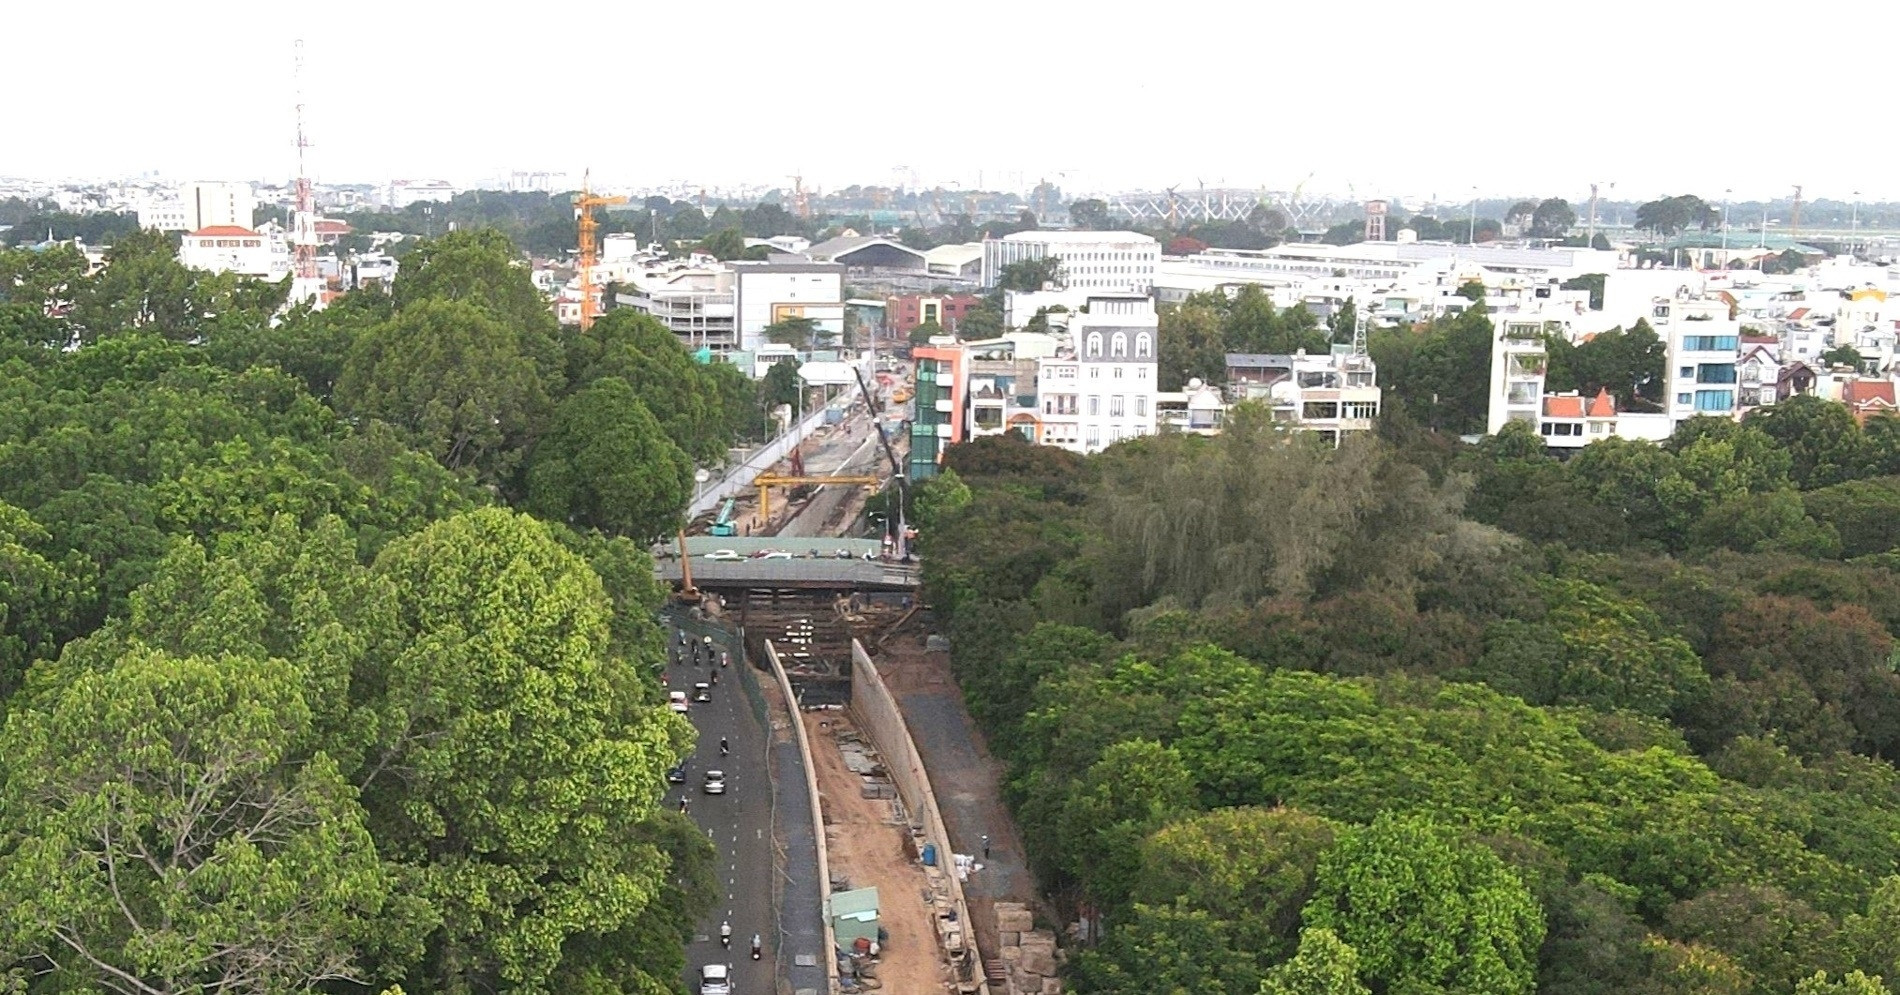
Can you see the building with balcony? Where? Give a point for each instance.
(1334, 394)
(939, 405)
(694, 301)
(1197, 410)
(1003, 395)
(1518, 362)
(1114, 342)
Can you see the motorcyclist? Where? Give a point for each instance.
(723, 750)
(725, 933)
(755, 946)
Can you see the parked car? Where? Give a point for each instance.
(676, 774)
(676, 700)
(715, 782)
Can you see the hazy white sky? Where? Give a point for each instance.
(1382, 98)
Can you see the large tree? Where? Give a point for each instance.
(606, 464)
(1428, 912)
(166, 828)
(463, 384)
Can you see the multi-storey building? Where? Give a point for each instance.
(1334, 394)
(693, 301)
(785, 286)
(1114, 341)
(234, 249)
(901, 314)
(1704, 343)
(1114, 261)
(201, 204)
(1002, 395)
(939, 405)
(1518, 361)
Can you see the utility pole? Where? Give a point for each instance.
(1794, 219)
(1590, 240)
(1471, 237)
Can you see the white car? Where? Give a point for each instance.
(715, 782)
(715, 979)
(676, 700)
(724, 555)
(775, 554)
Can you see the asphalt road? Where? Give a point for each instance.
(739, 823)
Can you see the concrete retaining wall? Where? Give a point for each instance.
(875, 711)
(830, 953)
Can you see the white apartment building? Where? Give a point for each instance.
(1518, 361)
(785, 286)
(1113, 261)
(1334, 394)
(201, 204)
(1115, 370)
(402, 193)
(233, 249)
(1058, 395)
(1704, 344)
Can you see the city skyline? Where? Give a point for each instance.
(1491, 102)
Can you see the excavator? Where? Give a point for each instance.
(900, 529)
(723, 525)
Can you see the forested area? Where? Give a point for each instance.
(1407, 717)
(328, 642)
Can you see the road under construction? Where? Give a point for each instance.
(804, 574)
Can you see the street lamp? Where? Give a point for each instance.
(1726, 195)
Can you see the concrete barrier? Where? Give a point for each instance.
(876, 712)
(817, 813)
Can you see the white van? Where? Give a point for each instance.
(715, 979)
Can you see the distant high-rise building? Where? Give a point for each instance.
(201, 204)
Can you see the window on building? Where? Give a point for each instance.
(1095, 344)
(1115, 406)
(1118, 373)
(1144, 346)
(1095, 404)
(1094, 437)
(1095, 373)
(1118, 346)
(1684, 398)
(1686, 372)
(1141, 407)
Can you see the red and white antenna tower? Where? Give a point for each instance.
(303, 239)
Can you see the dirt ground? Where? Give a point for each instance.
(968, 781)
(870, 851)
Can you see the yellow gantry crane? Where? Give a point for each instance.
(584, 205)
(766, 481)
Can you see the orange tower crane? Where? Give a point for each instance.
(584, 205)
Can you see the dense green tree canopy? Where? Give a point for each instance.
(606, 464)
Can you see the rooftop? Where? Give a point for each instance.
(224, 230)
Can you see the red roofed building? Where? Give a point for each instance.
(231, 249)
(1868, 397)
(1572, 421)
(330, 229)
